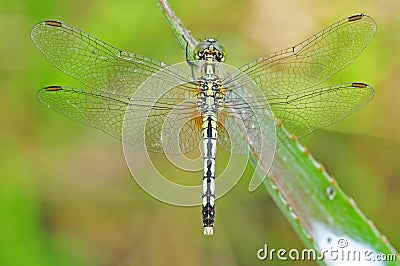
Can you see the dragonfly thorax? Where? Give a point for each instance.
(209, 49)
(210, 97)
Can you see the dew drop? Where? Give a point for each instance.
(330, 192)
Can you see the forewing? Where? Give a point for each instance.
(91, 61)
(314, 60)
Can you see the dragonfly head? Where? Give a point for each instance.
(209, 49)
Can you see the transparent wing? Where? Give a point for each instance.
(306, 111)
(109, 112)
(96, 109)
(303, 112)
(246, 130)
(314, 60)
(171, 122)
(114, 77)
(288, 77)
(245, 123)
(91, 61)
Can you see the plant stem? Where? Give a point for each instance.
(184, 37)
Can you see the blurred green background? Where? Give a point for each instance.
(66, 195)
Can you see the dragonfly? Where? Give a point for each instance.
(210, 100)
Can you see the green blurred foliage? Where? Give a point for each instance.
(66, 196)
